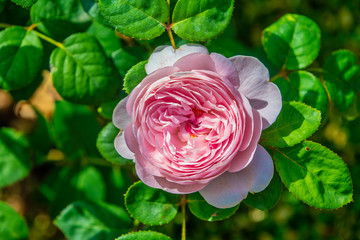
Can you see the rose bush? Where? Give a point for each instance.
(194, 122)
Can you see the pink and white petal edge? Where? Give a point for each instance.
(263, 95)
(226, 69)
(165, 56)
(120, 116)
(164, 184)
(230, 189)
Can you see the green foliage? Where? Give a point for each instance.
(144, 235)
(134, 76)
(67, 185)
(59, 18)
(201, 209)
(15, 160)
(75, 130)
(315, 175)
(293, 41)
(24, 3)
(12, 226)
(81, 71)
(20, 57)
(340, 72)
(151, 206)
(2, 5)
(123, 61)
(92, 8)
(304, 87)
(200, 21)
(105, 145)
(106, 37)
(89, 220)
(295, 123)
(106, 109)
(265, 200)
(142, 19)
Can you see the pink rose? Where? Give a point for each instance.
(193, 124)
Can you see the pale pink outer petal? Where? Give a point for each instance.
(263, 95)
(225, 68)
(230, 189)
(162, 183)
(243, 158)
(166, 56)
(120, 116)
(121, 120)
(195, 61)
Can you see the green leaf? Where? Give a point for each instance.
(92, 8)
(293, 41)
(75, 130)
(151, 206)
(20, 57)
(24, 3)
(106, 109)
(68, 184)
(304, 87)
(134, 76)
(315, 175)
(81, 71)
(59, 18)
(87, 221)
(201, 209)
(12, 225)
(142, 19)
(200, 21)
(340, 72)
(295, 123)
(144, 235)
(15, 160)
(105, 144)
(123, 61)
(106, 37)
(268, 198)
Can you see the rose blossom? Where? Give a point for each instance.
(194, 122)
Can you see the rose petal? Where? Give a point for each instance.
(254, 84)
(230, 189)
(243, 158)
(121, 146)
(195, 61)
(225, 68)
(162, 183)
(165, 56)
(120, 116)
(161, 73)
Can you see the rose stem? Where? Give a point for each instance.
(168, 27)
(183, 203)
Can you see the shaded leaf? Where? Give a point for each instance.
(105, 145)
(24, 3)
(20, 57)
(303, 86)
(201, 209)
(144, 235)
(151, 206)
(266, 199)
(15, 160)
(87, 221)
(12, 225)
(293, 41)
(295, 123)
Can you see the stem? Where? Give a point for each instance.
(50, 40)
(183, 231)
(168, 29)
